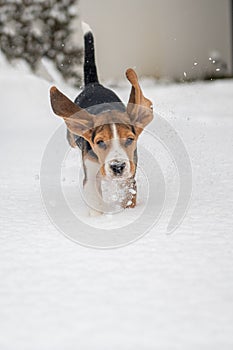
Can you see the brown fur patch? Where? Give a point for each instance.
(102, 133)
(125, 131)
(139, 107)
(61, 104)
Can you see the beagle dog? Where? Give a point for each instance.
(106, 131)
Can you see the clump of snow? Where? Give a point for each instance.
(118, 191)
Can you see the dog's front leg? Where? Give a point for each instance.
(91, 192)
(92, 198)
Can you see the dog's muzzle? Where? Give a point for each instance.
(117, 167)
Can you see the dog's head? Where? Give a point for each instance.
(112, 135)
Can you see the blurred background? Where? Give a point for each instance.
(163, 38)
(178, 40)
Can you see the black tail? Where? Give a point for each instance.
(90, 72)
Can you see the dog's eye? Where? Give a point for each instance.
(129, 141)
(101, 144)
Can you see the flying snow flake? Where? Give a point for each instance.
(217, 69)
(195, 63)
(185, 74)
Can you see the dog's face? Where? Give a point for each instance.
(111, 135)
(114, 144)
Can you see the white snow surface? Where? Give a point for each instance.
(161, 292)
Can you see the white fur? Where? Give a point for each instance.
(114, 131)
(86, 28)
(116, 152)
(90, 190)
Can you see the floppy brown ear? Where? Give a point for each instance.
(78, 120)
(139, 108)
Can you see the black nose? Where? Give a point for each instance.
(117, 167)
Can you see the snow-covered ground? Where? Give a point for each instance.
(161, 292)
